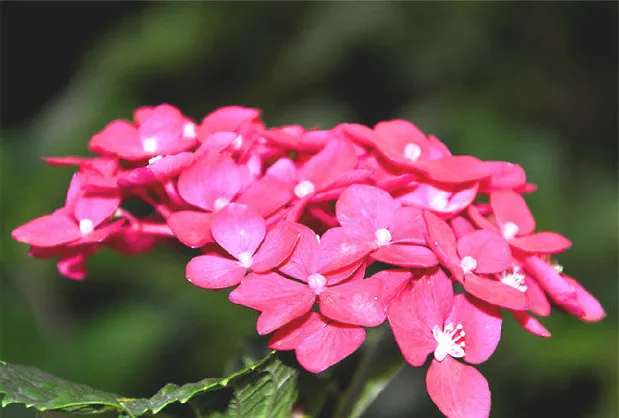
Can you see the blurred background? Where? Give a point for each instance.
(532, 83)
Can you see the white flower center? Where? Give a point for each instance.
(317, 282)
(439, 201)
(149, 145)
(468, 264)
(383, 237)
(245, 258)
(86, 226)
(189, 130)
(412, 151)
(514, 279)
(510, 230)
(304, 188)
(220, 203)
(237, 143)
(449, 341)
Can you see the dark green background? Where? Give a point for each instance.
(532, 83)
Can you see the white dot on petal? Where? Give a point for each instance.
(510, 230)
(383, 237)
(317, 282)
(237, 143)
(439, 201)
(155, 158)
(245, 258)
(189, 130)
(304, 188)
(86, 226)
(220, 203)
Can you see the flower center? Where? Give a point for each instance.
(189, 130)
(449, 340)
(237, 143)
(149, 145)
(514, 279)
(412, 151)
(317, 282)
(468, 264)
(86, 226)
(510, 230)
(439, 201)
(304, 188)
(383, 237)
(220, 203)
(245, 258)
(155, 158)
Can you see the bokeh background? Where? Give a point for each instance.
(533, 83)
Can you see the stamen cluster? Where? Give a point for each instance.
(292, 219)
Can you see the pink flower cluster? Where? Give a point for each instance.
(293, 218)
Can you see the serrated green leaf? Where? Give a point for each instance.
(264, 389)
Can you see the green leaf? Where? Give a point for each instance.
(265, 389)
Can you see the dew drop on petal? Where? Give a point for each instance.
(86, 226)
(304, 188)
(468, 264)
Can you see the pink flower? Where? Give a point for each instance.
(427, 318)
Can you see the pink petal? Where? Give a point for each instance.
(357, 302)
(210, 178)
(415, 311)
(555, 285)
(283, 170)
(336, 158)
(393, 136)
(95, 207)
(238, 230)
(119, 138)
(292, 334)
(538, 302)
(531, 324)
(440, 198)
(480, 221)
(100, 234)
(482, 325)
(441, 240)
(304, 259)
(192, 228)
(165, 125)
(461, 226)
(542, 243)
(351, 272)
(279, 299)
(157, 171)
(361, 134)
(328, 346)
(213, 272)
(403, 255)
(504, 176)
(454, 169)
(495, 292)
(392, 282)
(409, 226)
(227, 118)
(592, 310)
(277, 246)
(254, 196)
(47, 231)
(489, 249)
(341, 247)
(510, 208)
(458, 390)
(365, 207)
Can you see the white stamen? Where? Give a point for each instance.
(220, 203)
(449, 341)
(514, 279)
(412, 151)
(237, 143)
(86, 226)
(245, 258)
(558, 267)
(155, 158)
(149, 145)
(189, 130)
(439, 201)
(318, 238)
(383, 237)
(317, 282)
(510, 230)
(304, 188)
(468, 264)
